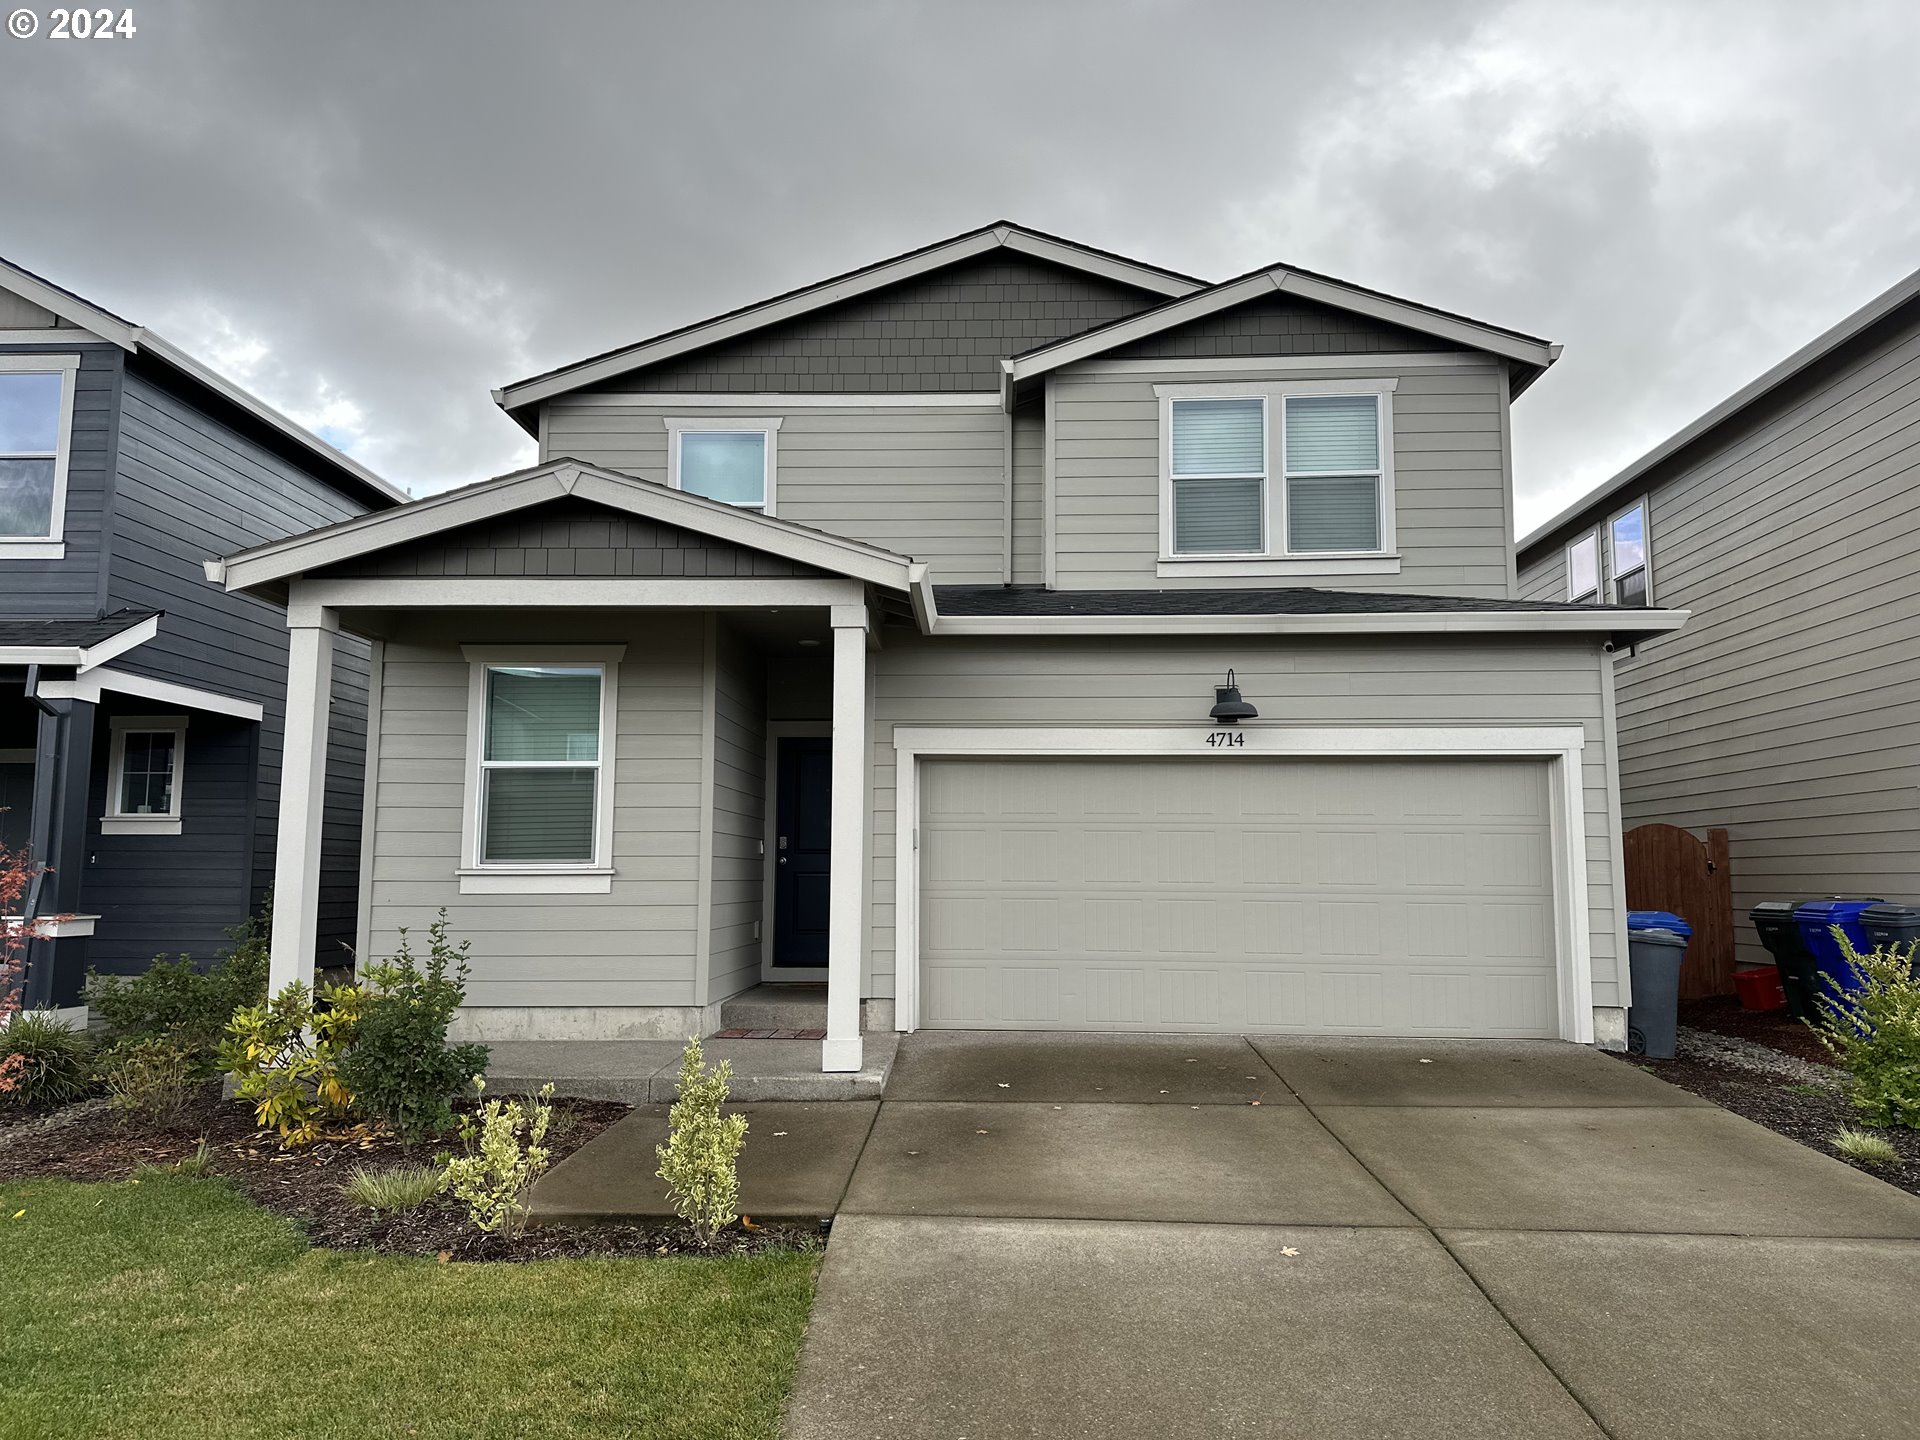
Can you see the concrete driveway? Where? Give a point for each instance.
(1201, 1236)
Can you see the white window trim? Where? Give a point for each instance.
(1275, 558)
(119, 822)
(767, 426)
(52, 545)
(1561, 746)
(1610, 579)
(592, 877)
(1599, 568)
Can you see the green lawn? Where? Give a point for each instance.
(174, 1307)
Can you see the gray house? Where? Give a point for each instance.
(141, 710)
(1783, 518)
(872, 635)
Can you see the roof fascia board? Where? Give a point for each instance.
(1874, 311)
(1412, 317)
(1643, 622)
(529, 592)
(90, 686)
(1107, 267)
(1139, 327)
(75, 311)
(83, 657)
(762, 400)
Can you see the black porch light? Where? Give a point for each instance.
(1228, 707)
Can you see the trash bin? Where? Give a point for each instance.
(1816, 919)
(1891, 924)
(1760, 988)
(1773, 920)
(1653, 962)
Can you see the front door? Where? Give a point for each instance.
(803, 829)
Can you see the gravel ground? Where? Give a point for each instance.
(1707, 1048)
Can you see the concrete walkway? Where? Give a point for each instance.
(1210, 1237)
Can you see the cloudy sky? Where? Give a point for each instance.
(372, 213)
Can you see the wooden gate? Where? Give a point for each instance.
(1672, 869)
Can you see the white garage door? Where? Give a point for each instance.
(1391, 898)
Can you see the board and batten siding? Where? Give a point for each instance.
(1452, 515)
(1784, 710)
(1146, 682)
(739, 815)
(926, 482)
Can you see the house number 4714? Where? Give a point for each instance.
(1226, 739)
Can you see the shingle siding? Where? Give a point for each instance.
(1281, 325)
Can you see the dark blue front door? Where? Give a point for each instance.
(803, 829)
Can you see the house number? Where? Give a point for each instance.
(1226, 739)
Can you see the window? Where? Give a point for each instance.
(1583, 568)
(1627, 542)
(1314, 496)
(144, 770)
(36, 416)
(539, 788)
(728, 460)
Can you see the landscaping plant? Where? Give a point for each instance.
(285, 1057)
(401, 1071)
(1864, 1146)
(44, 1062)
(505, 1154)
(405, 1187)
(150, 1080)
(175, 1001)
(193, 1166)
(1874, 1031)
(17, 875)
(700, 1161)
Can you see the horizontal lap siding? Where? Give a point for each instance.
(1546, 577)
(71, 586)
(1783, 711)
(1144, 682)
(739, 816)
(929, 483)
(1449, 480)
(632, 946)
(1029, 495)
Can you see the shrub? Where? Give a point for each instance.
(1864, 1146)
(406, 1187)
(504, 1155)
(174, 1000)
(700, 1160)
(43, 1061)
(285, 1057)
(1875, 1031)
(193, 1166)
(151, 1080)
(401, 1070)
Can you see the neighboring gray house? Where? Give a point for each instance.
(1785, 520)
(870, 635)
(140, 710)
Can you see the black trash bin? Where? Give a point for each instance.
(1887, 924)
(1773, 920)
(1653, 961)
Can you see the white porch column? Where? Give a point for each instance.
(303, 788)
(846, 894)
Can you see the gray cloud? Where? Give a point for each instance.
(373, 213)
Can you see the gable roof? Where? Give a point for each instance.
(1530, 353)
(1748, 395)
(1002, 234)
(84, 316)
(281, 560)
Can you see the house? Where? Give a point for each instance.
(1783, 519)
(871, 635)
(140, 709)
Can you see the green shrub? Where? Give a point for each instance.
(176, 1001)
(407, 1187)
(1875, 1031)
(150, 1080)
(700, 1161)
(1864, 1146)
(505, 1154)
(401, 1071)
(285, 1057)
(43, 1061)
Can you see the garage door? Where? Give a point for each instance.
(1392, 898)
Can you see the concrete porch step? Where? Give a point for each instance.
(779, 1007)
(646, 1072)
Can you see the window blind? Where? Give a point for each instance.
(1337, 512)
(540, 768)
(1217, 517)
(1337, 434)
(1219, 437)
(1333, 473)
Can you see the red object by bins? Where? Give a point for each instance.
(1760, 988)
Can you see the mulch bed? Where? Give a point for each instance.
(90, 1142)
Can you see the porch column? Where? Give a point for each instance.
(303, 790)
(846, 894)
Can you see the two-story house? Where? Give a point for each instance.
(907, 632)
(141, 709)
(1779, 518)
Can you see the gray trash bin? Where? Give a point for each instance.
(1653, 960)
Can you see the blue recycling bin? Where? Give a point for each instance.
(1816, 919)
(1659, 920)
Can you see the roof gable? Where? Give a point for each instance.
(1277, 324)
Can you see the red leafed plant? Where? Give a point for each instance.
(17, 874)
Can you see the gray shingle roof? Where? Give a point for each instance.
(81, 633)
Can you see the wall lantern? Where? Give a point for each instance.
(1228, 707)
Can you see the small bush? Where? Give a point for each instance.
(700, 1161)
(43, 1061)
(193, 1166)
(391, 1192)
(285, 1057)
(505, 1154)
(150, 1080)
(401, 1070)
(1875, 1031)
(176, 1001)
(1862, 1145)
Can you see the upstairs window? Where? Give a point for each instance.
(728, 460)
(36, 417)
(1627, 542)
(1219, 472)
(1583, 568)
(1333, 474)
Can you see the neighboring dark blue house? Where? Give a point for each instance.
(140, 706)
